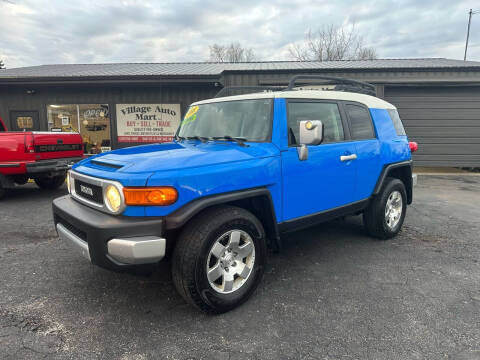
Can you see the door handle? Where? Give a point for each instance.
(348, 157)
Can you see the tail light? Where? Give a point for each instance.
(413, 146)
(29, 146)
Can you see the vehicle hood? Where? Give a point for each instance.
(177, 155)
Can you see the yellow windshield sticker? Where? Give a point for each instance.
(192, 111)
(191, 115)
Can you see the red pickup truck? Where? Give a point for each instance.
(42, 156)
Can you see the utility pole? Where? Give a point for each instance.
(470, 13)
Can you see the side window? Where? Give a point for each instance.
(24, 122)
(360, 122)
(328, 113)
(397, 122)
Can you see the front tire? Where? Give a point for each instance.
(50, 183)
(384, 216)
(219, 259)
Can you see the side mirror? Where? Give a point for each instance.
(311, 133)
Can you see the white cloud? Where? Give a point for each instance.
(53, 31)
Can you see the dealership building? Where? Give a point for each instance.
(118, 105)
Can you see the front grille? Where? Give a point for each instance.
(89, 191)
(57, 147)
(73, 229)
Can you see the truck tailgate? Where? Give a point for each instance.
(51, 145)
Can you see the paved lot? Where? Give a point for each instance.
(332, 293)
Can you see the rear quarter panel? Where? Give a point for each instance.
(12, 151)
(393, 148)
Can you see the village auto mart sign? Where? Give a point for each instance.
(147, 122)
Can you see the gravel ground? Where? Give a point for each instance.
(332, 293)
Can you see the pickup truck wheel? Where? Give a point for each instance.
(219, 259)
(50, 183)
(384, 216)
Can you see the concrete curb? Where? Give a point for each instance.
(447, 174)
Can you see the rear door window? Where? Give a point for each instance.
(360, 122)
(397, 122)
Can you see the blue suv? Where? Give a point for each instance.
(242, 171)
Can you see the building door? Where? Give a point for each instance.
(24, 121)
(444, 120)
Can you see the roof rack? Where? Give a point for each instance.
(334, 83)
(340, 84)
(243, 90)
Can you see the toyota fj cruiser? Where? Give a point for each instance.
(241, 171)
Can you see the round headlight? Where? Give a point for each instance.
(113, 199)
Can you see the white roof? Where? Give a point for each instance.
(367, 100)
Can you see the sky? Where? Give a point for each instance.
(36, 32)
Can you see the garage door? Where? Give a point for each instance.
(445, 121)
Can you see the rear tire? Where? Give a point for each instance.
(50, 183)
(20, 179)
(3, 192)
(384, 216)
(219, 259)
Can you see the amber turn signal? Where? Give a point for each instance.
(164, 195)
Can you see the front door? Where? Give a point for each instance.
(24, 121)
(323, 181)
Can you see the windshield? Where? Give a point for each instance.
(248, 119)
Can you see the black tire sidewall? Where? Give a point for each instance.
(3, 192)
(50, 183)
(393, 185)
(224, 302)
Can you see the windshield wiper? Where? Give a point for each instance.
(179, 137)
(239, 140)
(196, 137)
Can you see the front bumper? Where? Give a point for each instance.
(112, 242)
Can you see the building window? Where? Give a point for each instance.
(92, 121)
(24, 122)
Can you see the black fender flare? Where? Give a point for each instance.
(182, 215)
(408, 165)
